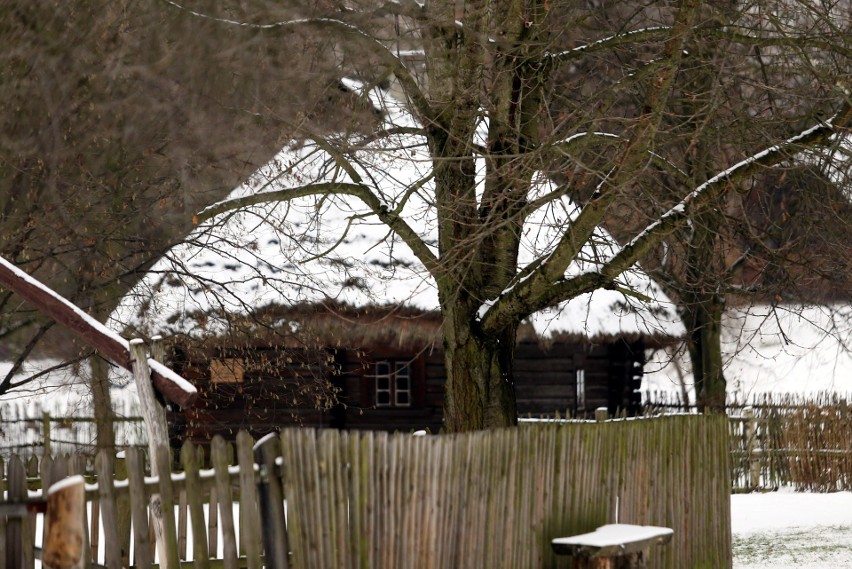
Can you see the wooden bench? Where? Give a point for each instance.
(613, 546)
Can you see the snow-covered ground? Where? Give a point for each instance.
(797, 350)
(784, 529)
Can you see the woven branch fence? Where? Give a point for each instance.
(804, 442)
(373, 501)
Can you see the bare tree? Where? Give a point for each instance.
(116, 124)
(650, 114)
(759, 243)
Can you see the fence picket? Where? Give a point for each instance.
(195, 502)
(107, 498)
(219, 458)
(249, 514)
(139, 510)
(168, 558)
(181, 525)
(213, 521)
(16, 487)
(271, 496)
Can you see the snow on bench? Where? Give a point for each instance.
(613, 541)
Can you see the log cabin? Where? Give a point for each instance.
(341, 322)
(382, 368)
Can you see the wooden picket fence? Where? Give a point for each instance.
(364, 500)
(55, 429)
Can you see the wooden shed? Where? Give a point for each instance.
(383, 369)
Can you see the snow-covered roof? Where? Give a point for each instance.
(331, 249)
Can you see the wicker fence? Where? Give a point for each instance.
(372, 500)
(785, 440)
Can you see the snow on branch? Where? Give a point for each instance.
(533, 297)
(388, 216)
(651, 33)
(712, 188)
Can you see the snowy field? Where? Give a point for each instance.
(786, 530)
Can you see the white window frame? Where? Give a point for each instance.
(387, 381)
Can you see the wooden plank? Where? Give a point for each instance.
(94, 533)
(168, 555)
(213, 523)
(106, 494)
(250, 534)
(122, 512)
(46, 481)
(182, 523)
(271, 501)
(219, 458)
(107, 342)
(195, 502)
(158, 438)
(4, 549)
(138, 510)
(16, 492)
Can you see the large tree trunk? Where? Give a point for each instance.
(704, 322)
(479, 391)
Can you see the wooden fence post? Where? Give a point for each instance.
(158, 435)
(15, 526)
(64, 546)
(135, 477)
(194, 498)
(271, 493)
(752, 448)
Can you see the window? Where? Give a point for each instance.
(581, 390)
(228, 370)
(393, 384)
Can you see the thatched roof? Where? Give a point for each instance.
(331, 252)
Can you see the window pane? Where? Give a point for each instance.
(402, 383)
(402, 398)
(383, 384)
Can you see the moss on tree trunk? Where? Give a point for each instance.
(479, 392)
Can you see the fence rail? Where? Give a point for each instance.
(373, 500)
